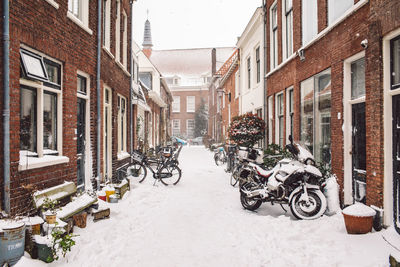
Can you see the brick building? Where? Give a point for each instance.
(53, 95)
(188, 74)
(227, 93)
(330, 68)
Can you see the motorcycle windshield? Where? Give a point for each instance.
(304, 153)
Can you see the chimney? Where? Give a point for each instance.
(213, 61)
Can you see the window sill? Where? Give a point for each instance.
(123, 155)
(28, 163)
(123, 68)
(54, 4)
(79, 22)
(108, 52)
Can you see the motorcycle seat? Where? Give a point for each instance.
(262, 172)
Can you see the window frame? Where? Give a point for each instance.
(125, 40)
(122, 123)
(176, 105)
(118, 31)
(279, 119)
(176, 129)
(287, 29)
(41, 88)
(258, 65)
(289, 110)
(332, 19)
(82, 19)
(248, 60)
(274, 35)
(190, 135)
(107, 25)
(314, 27)
(393, 86)
(192, 102)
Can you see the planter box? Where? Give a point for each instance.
(357, 224)
(44, 253)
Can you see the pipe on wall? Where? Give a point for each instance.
(6, 104)
(98, 91)
(264, 7)
(131, 83)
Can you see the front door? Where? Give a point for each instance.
(359, 152)
(81, 133)
(107, 135)
(396, 161)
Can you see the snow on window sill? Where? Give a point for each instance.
(27, 162)
(123, 155)
(54, 4)
(123, 68)
(108, 52)
(79, 22)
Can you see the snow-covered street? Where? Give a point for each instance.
(200, 222)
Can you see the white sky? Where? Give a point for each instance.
(192, 23)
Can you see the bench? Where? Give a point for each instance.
(65, 192)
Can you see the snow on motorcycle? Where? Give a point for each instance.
(296, 182)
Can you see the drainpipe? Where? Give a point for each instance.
(131, 83)
(264, 7)
(98, 92)
(6, 107)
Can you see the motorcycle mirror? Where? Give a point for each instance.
(290, 138)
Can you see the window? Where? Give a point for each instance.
(279, 119)
(190, 128)
(176, 104)
(125, 40)
(336, 8)
(237, 84)
(78, 11)
(107, 23)
(40, 107)
(248, 72)
(270, 117)
(223, 99)
(259, 114)
(118, 31)
(315, 115)
(190, 103)
(274, 36)
(176, 127)
(289, 112)
(288, 28)
(258, 64)
(358, 78)
(122, 129)
(33, 66)
(309, 17)
(147, 79)
(395, 63)
(81, 86)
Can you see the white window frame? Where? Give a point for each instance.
(125, 40)
(248, 72)
(82, 18)
(257, 63)
(26, 162)
(279, 115)
(109, 137)
(176, 103)
(237, 84)
(53, 3)
(176, 129)
(314, 27)
(187, 127)
(273, 35)
(118, 32)
(107, 26)
(289, 111)
(270, 118)
(331, 5)
(190, 103)
(122, 135)
(287, 37)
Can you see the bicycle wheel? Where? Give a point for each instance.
(170, 175)
(234, 176)
(137, 171)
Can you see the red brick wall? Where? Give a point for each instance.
(43, 28)
(229, 87)
(183, 115)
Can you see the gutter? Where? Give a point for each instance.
(264, 6)
(131, 84)
(98, 91)
(6, 107)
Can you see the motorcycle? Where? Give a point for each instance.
(296, 182)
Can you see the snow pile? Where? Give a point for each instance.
(359, 210)
(331, 192)
(10, 224)
(81, 201)
(33, 220)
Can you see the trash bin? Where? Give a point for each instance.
(12, 241)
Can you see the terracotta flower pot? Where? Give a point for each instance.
(357, 224)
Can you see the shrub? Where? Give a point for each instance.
(246, 130)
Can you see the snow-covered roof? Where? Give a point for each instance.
(195, 62)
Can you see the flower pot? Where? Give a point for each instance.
(80, 219)
(358, 218)
(51, 218)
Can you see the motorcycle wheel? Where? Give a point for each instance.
(247, 203)
(308, 211)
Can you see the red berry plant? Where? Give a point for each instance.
(246, 130)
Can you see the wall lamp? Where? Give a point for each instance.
(222, 91)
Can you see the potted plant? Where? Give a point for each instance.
(358, 218)
(49, 210)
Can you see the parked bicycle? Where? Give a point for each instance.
(164, 168)
(220, 155)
